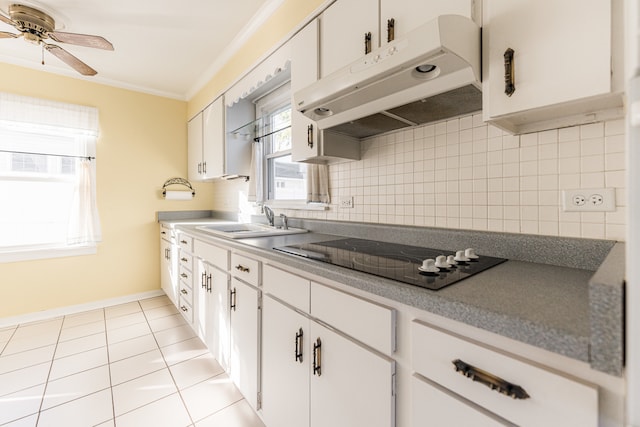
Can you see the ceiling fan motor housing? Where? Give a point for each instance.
(32, 20)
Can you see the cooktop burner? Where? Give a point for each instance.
(391, 260)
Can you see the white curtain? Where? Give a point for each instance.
(39, 126)
(84, 221)
(318, 184)
(256, 189)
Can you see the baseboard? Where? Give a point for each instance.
(72, 309)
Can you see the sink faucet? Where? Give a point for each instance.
(285, 225)
(269, 214)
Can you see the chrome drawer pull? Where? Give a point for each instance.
(184, 259)
(490, 380)
(183, 308)
(242, 268)
(183, 275)
(184, 291)
(184, 242)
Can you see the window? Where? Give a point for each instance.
(284, 180)
(47, 180)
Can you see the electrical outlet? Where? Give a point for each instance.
(589, 200)
(346, 202)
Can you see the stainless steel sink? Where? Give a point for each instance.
(246, 230)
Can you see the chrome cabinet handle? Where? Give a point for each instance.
(299, 335)
(204, 167)
(183, 308)
(242, 268)
(184, 275)
(317, 357)
(184, 291)
(203, 280)
(509, 72)
(490, 380)
(199, 168)
(184, 259)
(209, 281)
(184, 242)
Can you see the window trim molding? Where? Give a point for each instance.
(46, 253)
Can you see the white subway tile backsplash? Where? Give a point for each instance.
(463, 173)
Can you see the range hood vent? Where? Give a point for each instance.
(433, 73)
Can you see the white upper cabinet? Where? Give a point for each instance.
(213, 139)
(194, 148)
(410, 14)
(342, 30)
(566, 64)
(205, 149)
(345, 25)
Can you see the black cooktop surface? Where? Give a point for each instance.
(391, 260)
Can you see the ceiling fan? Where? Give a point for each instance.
(36, 26)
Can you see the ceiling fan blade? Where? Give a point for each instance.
(86, 40)
(70, 60)
(6, 20)
(5, 35)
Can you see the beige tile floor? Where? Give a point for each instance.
(136, 364)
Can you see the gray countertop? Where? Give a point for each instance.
(567, 309)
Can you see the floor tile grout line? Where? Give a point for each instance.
(106, 339)
(46, 384)
(13, 333)
(184, 404)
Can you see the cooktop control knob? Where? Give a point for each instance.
(451, 260)
(471, 253)
(429, 266)
(460, 257)
(441, 262)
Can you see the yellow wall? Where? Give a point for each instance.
(143, 142)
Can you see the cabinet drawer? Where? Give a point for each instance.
(212, 254)
(185, 260)
(369, 322)
(292, 289)
(167, 234)
(443, 408)
(554, 399)
(246, 269)
(185, 309)
(186, 293)
(185, 242)
(186, 275)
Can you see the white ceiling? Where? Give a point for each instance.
(167, 48)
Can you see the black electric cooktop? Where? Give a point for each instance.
(391, 260)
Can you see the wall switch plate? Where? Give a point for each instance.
(589, 200)
(346, 202)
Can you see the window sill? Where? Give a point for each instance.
(45, 253)
(294, 205)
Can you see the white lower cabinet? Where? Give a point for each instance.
(314, 375)
(212, 323)
(169, 264)
(514, 389)
(244, 324)
(285, 365)
(434, 405)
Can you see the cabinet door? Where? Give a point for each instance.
(355, 386)
(244, 340)
(342, 31)
(304, 56)
(304, 137)
(169, 269)
(219, 342)
(562, 52)
(410, 14)
(213, 140)
(285, 377)
(194, 148)
(433, 405)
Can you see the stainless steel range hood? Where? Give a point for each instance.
(431, 74)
